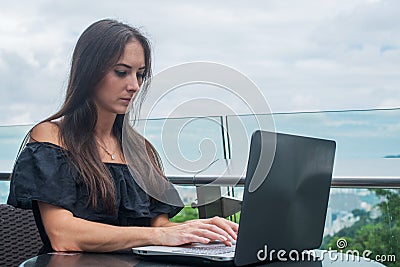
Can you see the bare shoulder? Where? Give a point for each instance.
(46, 132)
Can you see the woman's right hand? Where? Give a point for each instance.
(201, 231)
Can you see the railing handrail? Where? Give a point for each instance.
(4, 176)
(257, 114)
(337, 181)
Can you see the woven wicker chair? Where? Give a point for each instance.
(19, 237)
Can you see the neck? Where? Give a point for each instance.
(104, 125)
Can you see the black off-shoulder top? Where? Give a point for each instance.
(43, 173)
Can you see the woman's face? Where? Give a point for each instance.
(113, 93)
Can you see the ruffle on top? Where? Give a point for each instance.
(44, 173)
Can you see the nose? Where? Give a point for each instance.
(133, 84)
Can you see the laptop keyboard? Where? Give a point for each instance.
(208, 249)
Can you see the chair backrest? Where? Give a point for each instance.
(19, 237)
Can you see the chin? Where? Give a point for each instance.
(121, 111)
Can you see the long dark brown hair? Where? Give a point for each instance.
(98, 49)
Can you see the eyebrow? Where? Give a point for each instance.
(129, 67)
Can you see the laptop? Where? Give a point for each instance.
(286, 211)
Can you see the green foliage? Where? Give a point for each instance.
(187, 213)
(390, 206)
(348, 232)
(380, 235)
(234, 218)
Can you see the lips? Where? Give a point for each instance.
(126, 100)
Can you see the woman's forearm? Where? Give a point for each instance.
(69, 233)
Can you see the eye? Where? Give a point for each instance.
(140, 76)
(120, 73)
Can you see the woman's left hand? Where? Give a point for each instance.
(227, 226)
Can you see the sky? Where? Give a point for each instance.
(303, 55)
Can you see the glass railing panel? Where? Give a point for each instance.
(186, 146)
(368, 145)
(368, 142)
(4, 188)
(11, 138)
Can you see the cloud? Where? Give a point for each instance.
(308, 55)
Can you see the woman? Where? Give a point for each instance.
(72, 171)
